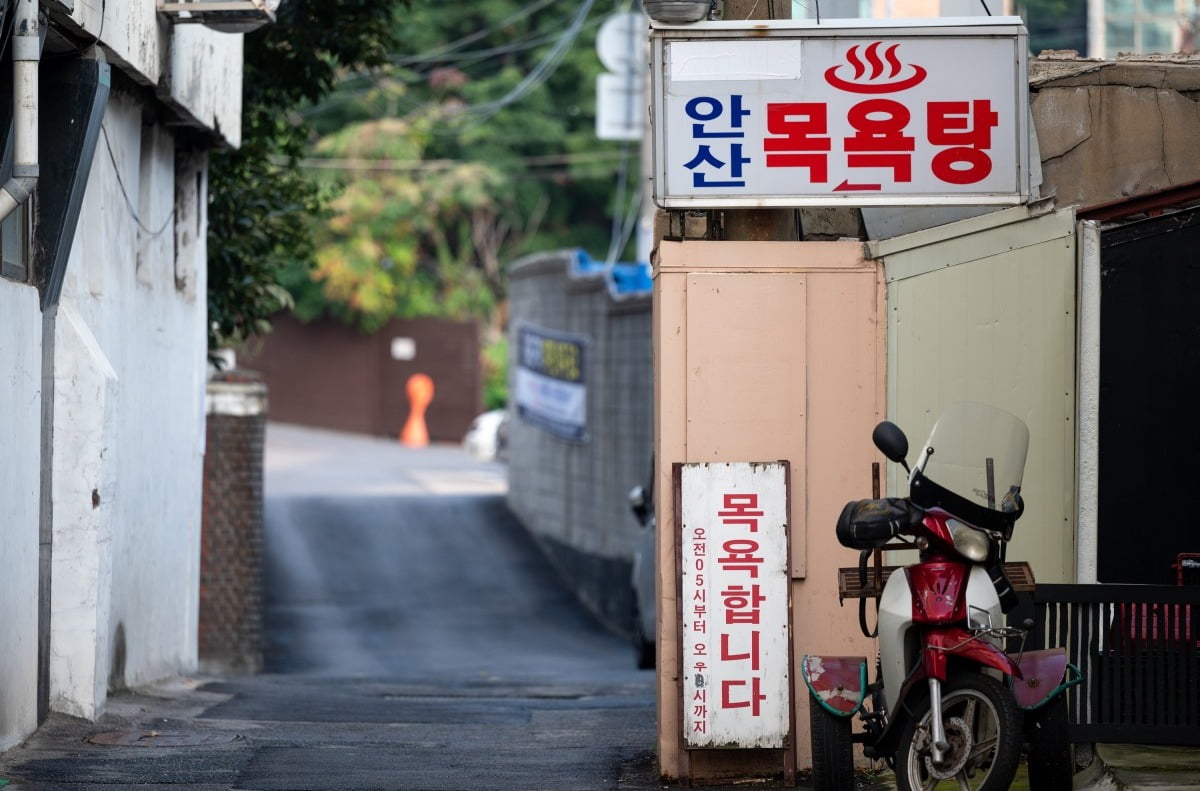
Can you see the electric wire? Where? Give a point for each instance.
(540, 73)
(427, 64)
(125, 193)
(618, 202)
(354, 164)
(473, 37)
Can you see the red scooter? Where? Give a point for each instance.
(948, 705)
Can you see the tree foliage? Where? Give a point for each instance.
(473, 145)
(460, 135)
(262, 209)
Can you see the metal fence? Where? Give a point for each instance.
(1138, 647)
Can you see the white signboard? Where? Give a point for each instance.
(734, 593)
(621, 95)
(842, 113)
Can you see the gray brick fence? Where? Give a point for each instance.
(573, 496)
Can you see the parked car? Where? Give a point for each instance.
(641, 500)
(487, 437)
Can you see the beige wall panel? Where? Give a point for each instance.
(745, 386)
(768, 351)
(998, 329)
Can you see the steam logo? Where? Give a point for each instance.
(879, 74)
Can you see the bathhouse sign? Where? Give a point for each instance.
(734, 604)
(794, 113)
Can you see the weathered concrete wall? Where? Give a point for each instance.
(574, 497)
(20, 441)
(191, 67)
(1112, 129)
(128, 422)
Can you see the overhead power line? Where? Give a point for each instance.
(365, 164)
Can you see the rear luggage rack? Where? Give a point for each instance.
(1019, 574)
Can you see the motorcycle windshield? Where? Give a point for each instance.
(977, 452)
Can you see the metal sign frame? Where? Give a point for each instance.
(994, 37)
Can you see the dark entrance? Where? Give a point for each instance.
(1149, 398)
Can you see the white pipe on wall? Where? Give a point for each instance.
(27, 50)
(1087, 411)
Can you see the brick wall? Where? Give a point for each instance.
(325, 374)
(230, 638)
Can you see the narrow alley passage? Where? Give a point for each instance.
(415, 639)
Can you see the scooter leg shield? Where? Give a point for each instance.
(1043, 673)
(837, 683)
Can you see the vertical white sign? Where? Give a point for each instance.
(734, 593)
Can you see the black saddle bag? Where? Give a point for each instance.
(866, 524)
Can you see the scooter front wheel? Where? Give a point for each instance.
(983, 729)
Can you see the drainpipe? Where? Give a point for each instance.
(27, 50)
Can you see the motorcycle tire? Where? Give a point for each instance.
(832, 750)
(1050, 762)
(973, 705)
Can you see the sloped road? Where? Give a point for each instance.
(415, 639)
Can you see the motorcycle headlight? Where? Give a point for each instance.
(972, 544)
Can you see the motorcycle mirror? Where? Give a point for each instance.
(891, 441)
(638, 502)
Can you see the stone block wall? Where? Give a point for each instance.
(573, 496)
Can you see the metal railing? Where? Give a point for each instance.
(1138, 647)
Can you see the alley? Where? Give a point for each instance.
(415, 639)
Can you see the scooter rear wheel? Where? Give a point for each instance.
(833, 749)
(983, 726)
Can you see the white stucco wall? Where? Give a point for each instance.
(130, 371)
(20, 420)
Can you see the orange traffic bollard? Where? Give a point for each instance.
(420, 393)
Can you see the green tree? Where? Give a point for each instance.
(475, 147)
(262, 208)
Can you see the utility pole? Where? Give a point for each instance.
(760, 225)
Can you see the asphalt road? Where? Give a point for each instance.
(415, 639)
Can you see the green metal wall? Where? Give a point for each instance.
(984, 310)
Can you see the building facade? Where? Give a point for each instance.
(102, 304)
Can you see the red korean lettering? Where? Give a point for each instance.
(741, 509)
(799, 127)
(730, 687)
(879, 140)
(967, 128)
(751, 653)
(740, 556)
(742, 604)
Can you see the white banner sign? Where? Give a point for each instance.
(734, 590)
(549, 387)
(796, 114)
